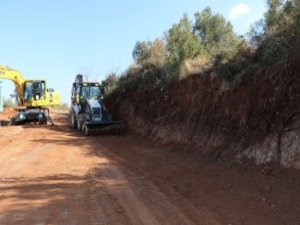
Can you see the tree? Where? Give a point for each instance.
(140, 52)
(282, 16)
(281, 34)
(216, 34)
(110, 82)
(255, 35)
(272, 16)
(147, 52)
(182, 43)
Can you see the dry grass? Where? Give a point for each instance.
(194, 66)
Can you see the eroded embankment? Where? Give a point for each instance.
(259, 120)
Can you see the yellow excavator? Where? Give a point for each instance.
(33, 98)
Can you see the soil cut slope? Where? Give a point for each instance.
(258, 120)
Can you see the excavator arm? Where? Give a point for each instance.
(17, 78)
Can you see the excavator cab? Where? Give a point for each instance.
(34, 90)
(36, 93)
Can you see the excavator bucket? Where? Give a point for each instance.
(104, 128)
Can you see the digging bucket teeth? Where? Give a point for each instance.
(103, 128)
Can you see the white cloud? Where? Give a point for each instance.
(239, 10)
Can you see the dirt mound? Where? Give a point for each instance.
(258, 120)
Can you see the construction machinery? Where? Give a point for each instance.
(1, 98)
(88, 113)
(33, 97)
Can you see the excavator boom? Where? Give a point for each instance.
(17, 78)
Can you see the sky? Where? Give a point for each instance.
(57, 39)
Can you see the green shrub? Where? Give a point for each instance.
(274, 49)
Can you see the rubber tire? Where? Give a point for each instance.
(12, 121)
(73, 120)
(85, 130)
(79, 125)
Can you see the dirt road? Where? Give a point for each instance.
(53, 175)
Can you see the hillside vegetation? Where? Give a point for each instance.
(207, 44)
(223, 95)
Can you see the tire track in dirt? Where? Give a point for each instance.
(25, 159)
(104, 209)
(39, 168)
(54, 175)
(149, 204)
(116, 184)
(16, 151)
